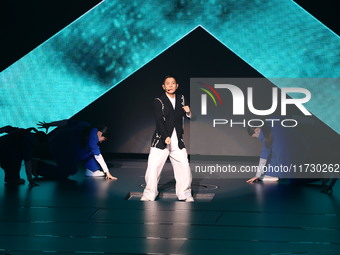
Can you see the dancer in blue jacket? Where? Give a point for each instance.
(71, 142)
(281, 147)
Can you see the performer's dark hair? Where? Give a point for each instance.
(250, 131)
(105, 131)
(267, 133)
(85, 134)
(169, 76)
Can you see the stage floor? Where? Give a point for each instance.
(86, 215)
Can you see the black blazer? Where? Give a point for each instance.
(168, 118)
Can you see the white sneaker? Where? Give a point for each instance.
(143, 198)
(267, 178)
(97, 173)
(189, 199)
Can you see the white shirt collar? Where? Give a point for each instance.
(172, 100)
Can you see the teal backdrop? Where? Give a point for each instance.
(277, 38)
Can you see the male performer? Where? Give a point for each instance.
(167, 140)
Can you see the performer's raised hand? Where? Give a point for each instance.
(43, 124)
(186, 109)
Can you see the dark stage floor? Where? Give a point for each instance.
(93, 216)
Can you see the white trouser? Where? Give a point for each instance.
(180, 164)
